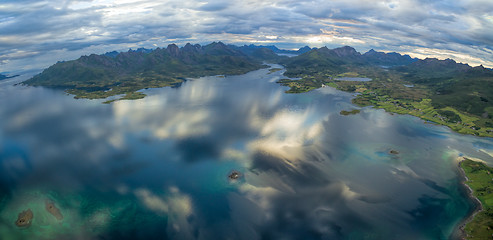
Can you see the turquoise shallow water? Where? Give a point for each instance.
(157, 168)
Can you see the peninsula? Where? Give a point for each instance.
(440, 91)
(479, 178)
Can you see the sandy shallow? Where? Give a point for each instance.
(53, 210)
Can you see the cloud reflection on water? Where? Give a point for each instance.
(308, 172)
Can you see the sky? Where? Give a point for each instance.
(35, 34)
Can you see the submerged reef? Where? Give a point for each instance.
(53, 210)
(25, 218)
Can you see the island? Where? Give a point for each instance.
(25, 218)
(352, 112)
(125, 73)
(53, 210)
(234, 175)
(479, 180)
(394, 152)
(273, 70)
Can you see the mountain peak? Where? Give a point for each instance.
(173, 50)
(172, 46)
(220, 44)
(112, 54)
(191, 48)
(433, 63)
(219, 48)
(436, 61)
(387, 59)
(346, 51)
(304, 49)
(481, 70)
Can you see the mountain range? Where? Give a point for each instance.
(251, 47)
(2, 77)
(125, 72)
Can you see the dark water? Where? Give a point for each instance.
(157, 168)
(356, 79)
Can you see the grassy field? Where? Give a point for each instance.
(393, 96)
(480, 180)
(458, 121)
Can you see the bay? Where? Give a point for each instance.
(158, 167)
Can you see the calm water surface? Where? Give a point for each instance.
(157, 168)
(356, 79)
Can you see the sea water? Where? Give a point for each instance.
(157, 168)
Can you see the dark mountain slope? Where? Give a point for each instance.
(387, 59)
(100, 76)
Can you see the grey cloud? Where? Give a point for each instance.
(315, 219)
(303, 174)
(41, 27)
(437, 24)
(57, 134)
(214, 6)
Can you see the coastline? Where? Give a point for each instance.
(460, 232)
(454, 127)
(421, 108)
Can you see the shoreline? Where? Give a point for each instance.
(460, 232)
(423, 117)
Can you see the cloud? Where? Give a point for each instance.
(41, 27)
(151, 201)
(214, 6)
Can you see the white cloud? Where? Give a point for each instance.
(41, 27)
(167, 124)
(152, 201)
